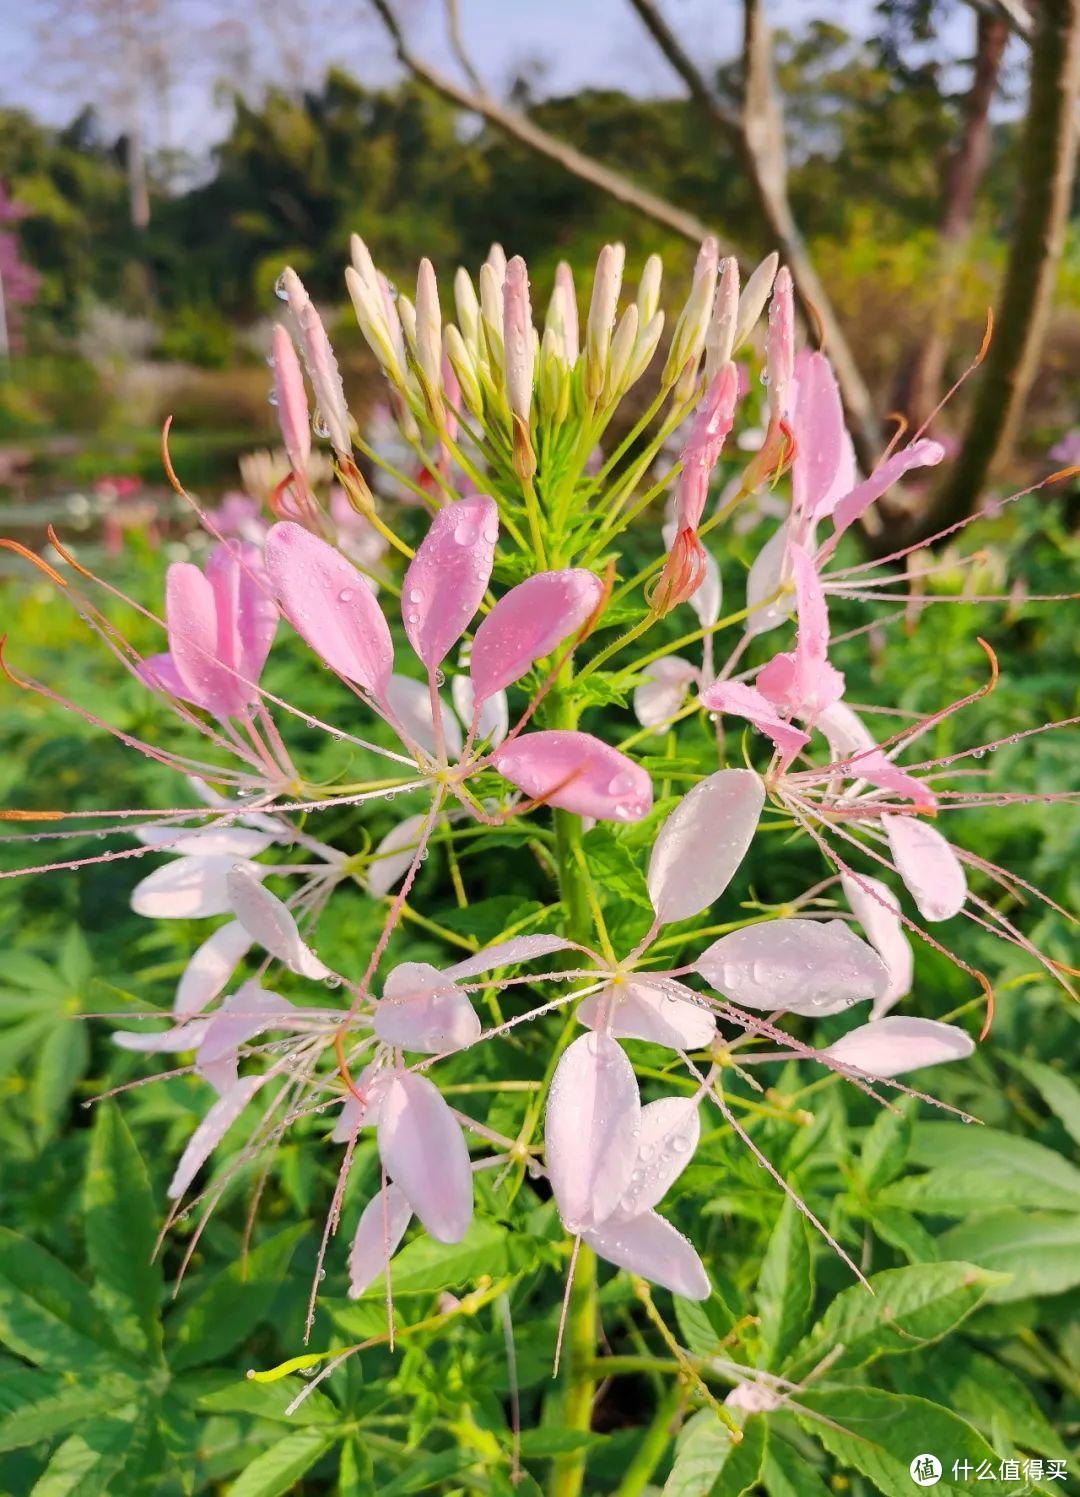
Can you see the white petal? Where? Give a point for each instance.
(244, 1014)
(932, 873)
(423, 1149)
(269, 921)
(393, 856)
(410, 701)
(889, 1047)
(661, 696)
(706, 601)
(877, 910)
(422, 1010)
(212, 1130)
(651, 1247)
(371, 1084)
(802, 966)
(670, 1130)
(382, 1225)
(207, 842)
(591, 1132)
(662, 1011)
(162, 1041)
(494, 723)
(845, 732)
(507, 953)
(187, 889)
(770, 574)
(702, 843)
(210, 967)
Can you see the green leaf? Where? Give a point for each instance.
(708, 1461)
(538, 1444)
(47, 1315)
(908, 1308)
(61, 1061)
(881, 1433)
(1060, 1093)
(356, 1478)
(234, 1302)
(54, 1409)
(268, 1401)
(973, 1169)
(885, 1146)
(428, 1267)
(93, 1461)
(785, 1288)
(277, 1470)
(613, 867)
(428, 1473)
(788, 1473)
(703, 1323)
(121, 1232)
(983, 1390)
(1040, 1250)
(903, 1231)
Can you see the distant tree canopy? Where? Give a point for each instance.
(294, 177)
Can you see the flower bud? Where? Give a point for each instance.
(518, 347)
(648, 291)
(407, 313)
(688, 339)
(720, 339)
(321, 365)
(553, 386)
(602, 309)
(491, 284)
(780, 343)
(496, 258)
(755, 295)
(646, 346)
(429, 337)
(468, 309)
(622, 349)
(564, 298)
(370, 312)
(363, 264)
(464, 367)
(291, 400)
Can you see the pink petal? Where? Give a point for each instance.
(663, 693)
(670, 1130)
(741, 700)
(212, 1130)
(160, 674)
(423, 1149)
(844, 730)
(210, 967)
(448, 576)
(291, 400)
(246, 610)
(877, 910)
(206, 842)
(270, 922)
(410, 702)
(576, 772)
(507, 953)
(652, 1248)
(191, 618)
(924, 453)
(187, 889)
(706, 600)
(770, 598)
(932, 873)
(849, 739)
(330, 606)
(244, 1014)
(591, 1132)
(393, 856)
(889, 1047)
(371, 1084)
(702, 843)
(662, 1011)
(383, 1223)
(803, 683)
(421, 1010)
(823, 469)
(162, 1041)
(802, 966)
(527, 623)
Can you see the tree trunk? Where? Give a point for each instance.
(1047, 166)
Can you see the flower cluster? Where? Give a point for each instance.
(515, 444)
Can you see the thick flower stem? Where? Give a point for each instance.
(655, 1441)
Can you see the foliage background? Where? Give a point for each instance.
(107, 1384)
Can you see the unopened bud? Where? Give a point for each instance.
(491, 309)
(602, 309)
(648, 291)
(720, 339)
(407, 313)
(553, 386)
(370, 312)
(519, 352)
(291, 399)
(321, 364)
(648, 340)
(429, 337)
(688, 339)
(564, 285)
(755, 295)
(622, 349)
(363, 264)
(496, 258)
(468, 309)
(464, 367)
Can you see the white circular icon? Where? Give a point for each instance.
(925, 1470)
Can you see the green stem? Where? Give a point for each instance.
(649, 1453)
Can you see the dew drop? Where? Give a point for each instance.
(345, 594)
(279, 288)
(318, 424)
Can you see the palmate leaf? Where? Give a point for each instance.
(106, 1456)
(708, 1463)
(233, 1303)
(121, 1230)
(908, 1308)
(278, 1469)
(1060, 1093)
(49, 1317)
(880, 1433)
(38, 1406)
(977, 1169)
(1039, 1250)
(984, 1391)
(785, 1289)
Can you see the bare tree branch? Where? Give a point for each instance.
(457, 46)
(521, 129)
(758, 133)
(1012, 12)
(1047, 168)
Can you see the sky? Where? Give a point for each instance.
(561, 45)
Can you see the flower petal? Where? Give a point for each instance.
(591, 1131)
(745, 701)
(410, 702)
(924, 453)
(889, 1047)
(392, 858)
(383, 1223)
(212, 1130)
(191, 620)
(823, 468)
(187, 889)
(932, 873)
(211, 842)
(423, 1149)
(652, 1248)
(662, 1011)
(422, 1010)
(670, 1130)
(210, 967)
(702, 843)
(663, 692)
(493, 723)
(877, 910)
(770, 598)
(507, 953)
(802, 966)
(331, 607)
(269, 921)
(247, 613)
(244, 1014)
(576, 772)
(448, 576)
(527, 623)
(162, 1041)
